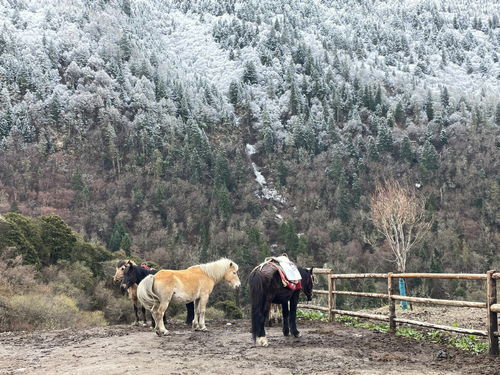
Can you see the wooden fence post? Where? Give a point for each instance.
(330, 296)
(392, 303)
(492, 322)
(334, 299)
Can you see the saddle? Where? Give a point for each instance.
(144, 265)
(290, 275)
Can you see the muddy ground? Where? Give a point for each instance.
(324, 348)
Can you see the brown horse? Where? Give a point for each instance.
(121, 267)
(193, 284)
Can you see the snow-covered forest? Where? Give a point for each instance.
(151, 125)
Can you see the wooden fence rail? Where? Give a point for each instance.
(491, 305)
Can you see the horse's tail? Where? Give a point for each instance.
(145, 293)
(257, 296)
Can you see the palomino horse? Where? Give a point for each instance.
(132, 276)
(192, 284)
(266, 287)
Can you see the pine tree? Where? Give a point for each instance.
(372, 149)
(55, 109)
(497, 115)
(343, 199)
(116, 237)
(234, 93)
(406, 149)
(294, 104)
(399, 115)
(125, 243)
(429, 108)
(249, 73)
(445, 97)
(336, 166)
(429, 157)
(125, 47)
(126, 7)
(384, 139)
(355, 189)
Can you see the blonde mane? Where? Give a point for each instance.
(216, 270)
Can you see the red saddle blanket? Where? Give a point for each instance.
(286, 283)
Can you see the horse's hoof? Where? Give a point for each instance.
(262, 341)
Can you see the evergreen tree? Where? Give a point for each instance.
(336, 169)
(429, 157)
(234, 93)
(125, 243)
(445, 97)
(372, 149)
(399, 115)
(429, 107)
(125, 47)
(126, 7)
(343, 199)
(282, 171)
(294, 104)
(249, 73)
(406, 149)
(55, 109)
(116, 237)
(384, 139)
(355, 189)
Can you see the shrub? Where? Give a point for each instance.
(44, 311)
(231, 311)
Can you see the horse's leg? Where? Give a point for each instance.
(158, 313)
(132, 292)
(143, 309)
(153, 324)
(202, 306)
(263, 312)
(196, 323)
(190, 312)
(270, 318)
(286, 314)
(293, 315)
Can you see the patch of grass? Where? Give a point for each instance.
(355, 322)
(312, 315)
(470, 343)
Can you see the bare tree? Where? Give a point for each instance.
(399, 214)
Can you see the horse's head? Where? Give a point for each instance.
(307, 281)
(121, 266)
(129, 276)
(231, 275)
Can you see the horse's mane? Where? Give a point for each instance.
(122, 262)
(216, 270)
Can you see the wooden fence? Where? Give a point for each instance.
(491, 305)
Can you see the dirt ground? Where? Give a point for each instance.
(324, 348)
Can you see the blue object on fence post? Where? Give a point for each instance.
(402, 292)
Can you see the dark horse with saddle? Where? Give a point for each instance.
(130, 275)
(277, 281)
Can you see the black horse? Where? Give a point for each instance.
(131, 276)
(266, 287)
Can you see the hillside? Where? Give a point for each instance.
(182, 131)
